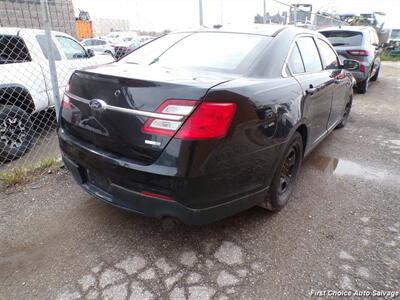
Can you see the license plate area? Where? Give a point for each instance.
(98, 180)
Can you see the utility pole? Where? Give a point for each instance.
(265, 12)
(201, 12)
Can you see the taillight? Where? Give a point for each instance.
(66, 102)
(160, 126)
(358, 52)
(361, 68)
(210, 120)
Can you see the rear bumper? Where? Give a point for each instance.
(153, 207)
(125, 195)
(359, 76)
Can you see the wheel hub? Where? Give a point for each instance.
(12, 132)
(288, 170)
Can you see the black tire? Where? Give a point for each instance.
(345, 117)
(375, 77)
(285, 175)
(109, 53)
(16, 132)
(362, 86)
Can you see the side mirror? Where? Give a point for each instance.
(90, 53)
(351, 65)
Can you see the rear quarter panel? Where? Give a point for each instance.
(268, 111)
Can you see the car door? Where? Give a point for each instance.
(340, 81)
(317, 87)
(74, 57)
(377, 51)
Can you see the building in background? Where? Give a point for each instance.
(28, 14)
(103, 26)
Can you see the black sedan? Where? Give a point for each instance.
(202, 125)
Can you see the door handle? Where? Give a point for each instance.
(311, 90)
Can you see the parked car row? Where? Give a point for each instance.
(117, 47)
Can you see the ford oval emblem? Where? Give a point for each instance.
(98, 105)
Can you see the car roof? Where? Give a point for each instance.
(347, 28)
(17, 31)
(271, 30)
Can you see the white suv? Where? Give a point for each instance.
(25, 82)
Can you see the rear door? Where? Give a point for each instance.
(338, 77)
(317, 86)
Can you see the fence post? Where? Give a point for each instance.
(51, 57)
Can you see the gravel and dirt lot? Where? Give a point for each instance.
(341, 230)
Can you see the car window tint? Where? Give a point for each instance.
(296, 65)
(329, 57)
(309, 53)
(343, 37)
(209, 51)
(71, 49)
(13, 50)
(224, 52)
(101, 42)
(42, 40)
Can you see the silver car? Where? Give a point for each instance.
(98, 45)
(359, 43)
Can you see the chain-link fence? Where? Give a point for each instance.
(27, 97)
(36, 63)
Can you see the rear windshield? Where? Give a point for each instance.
(210, 51)
(13, 50)
(344, 38)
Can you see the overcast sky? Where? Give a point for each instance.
(175, 14)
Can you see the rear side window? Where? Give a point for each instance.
(310, 55)
(344, 37)
(42, 40)
(329, 57)
(13, 50)
(296, 65)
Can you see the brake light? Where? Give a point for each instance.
(66, 102)
(361, 68)
(210, 120)
(161, 126)
(358, 52)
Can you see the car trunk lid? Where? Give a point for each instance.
(128, 88)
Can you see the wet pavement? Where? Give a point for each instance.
(341, 230)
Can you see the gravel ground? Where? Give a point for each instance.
(341, 230)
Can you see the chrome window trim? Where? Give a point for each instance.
(286, 65)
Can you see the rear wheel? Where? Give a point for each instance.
(286, 174)
(375, 77)
(362, 86)
(345, 117)
(16, 132)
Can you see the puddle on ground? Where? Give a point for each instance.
(342, 167)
